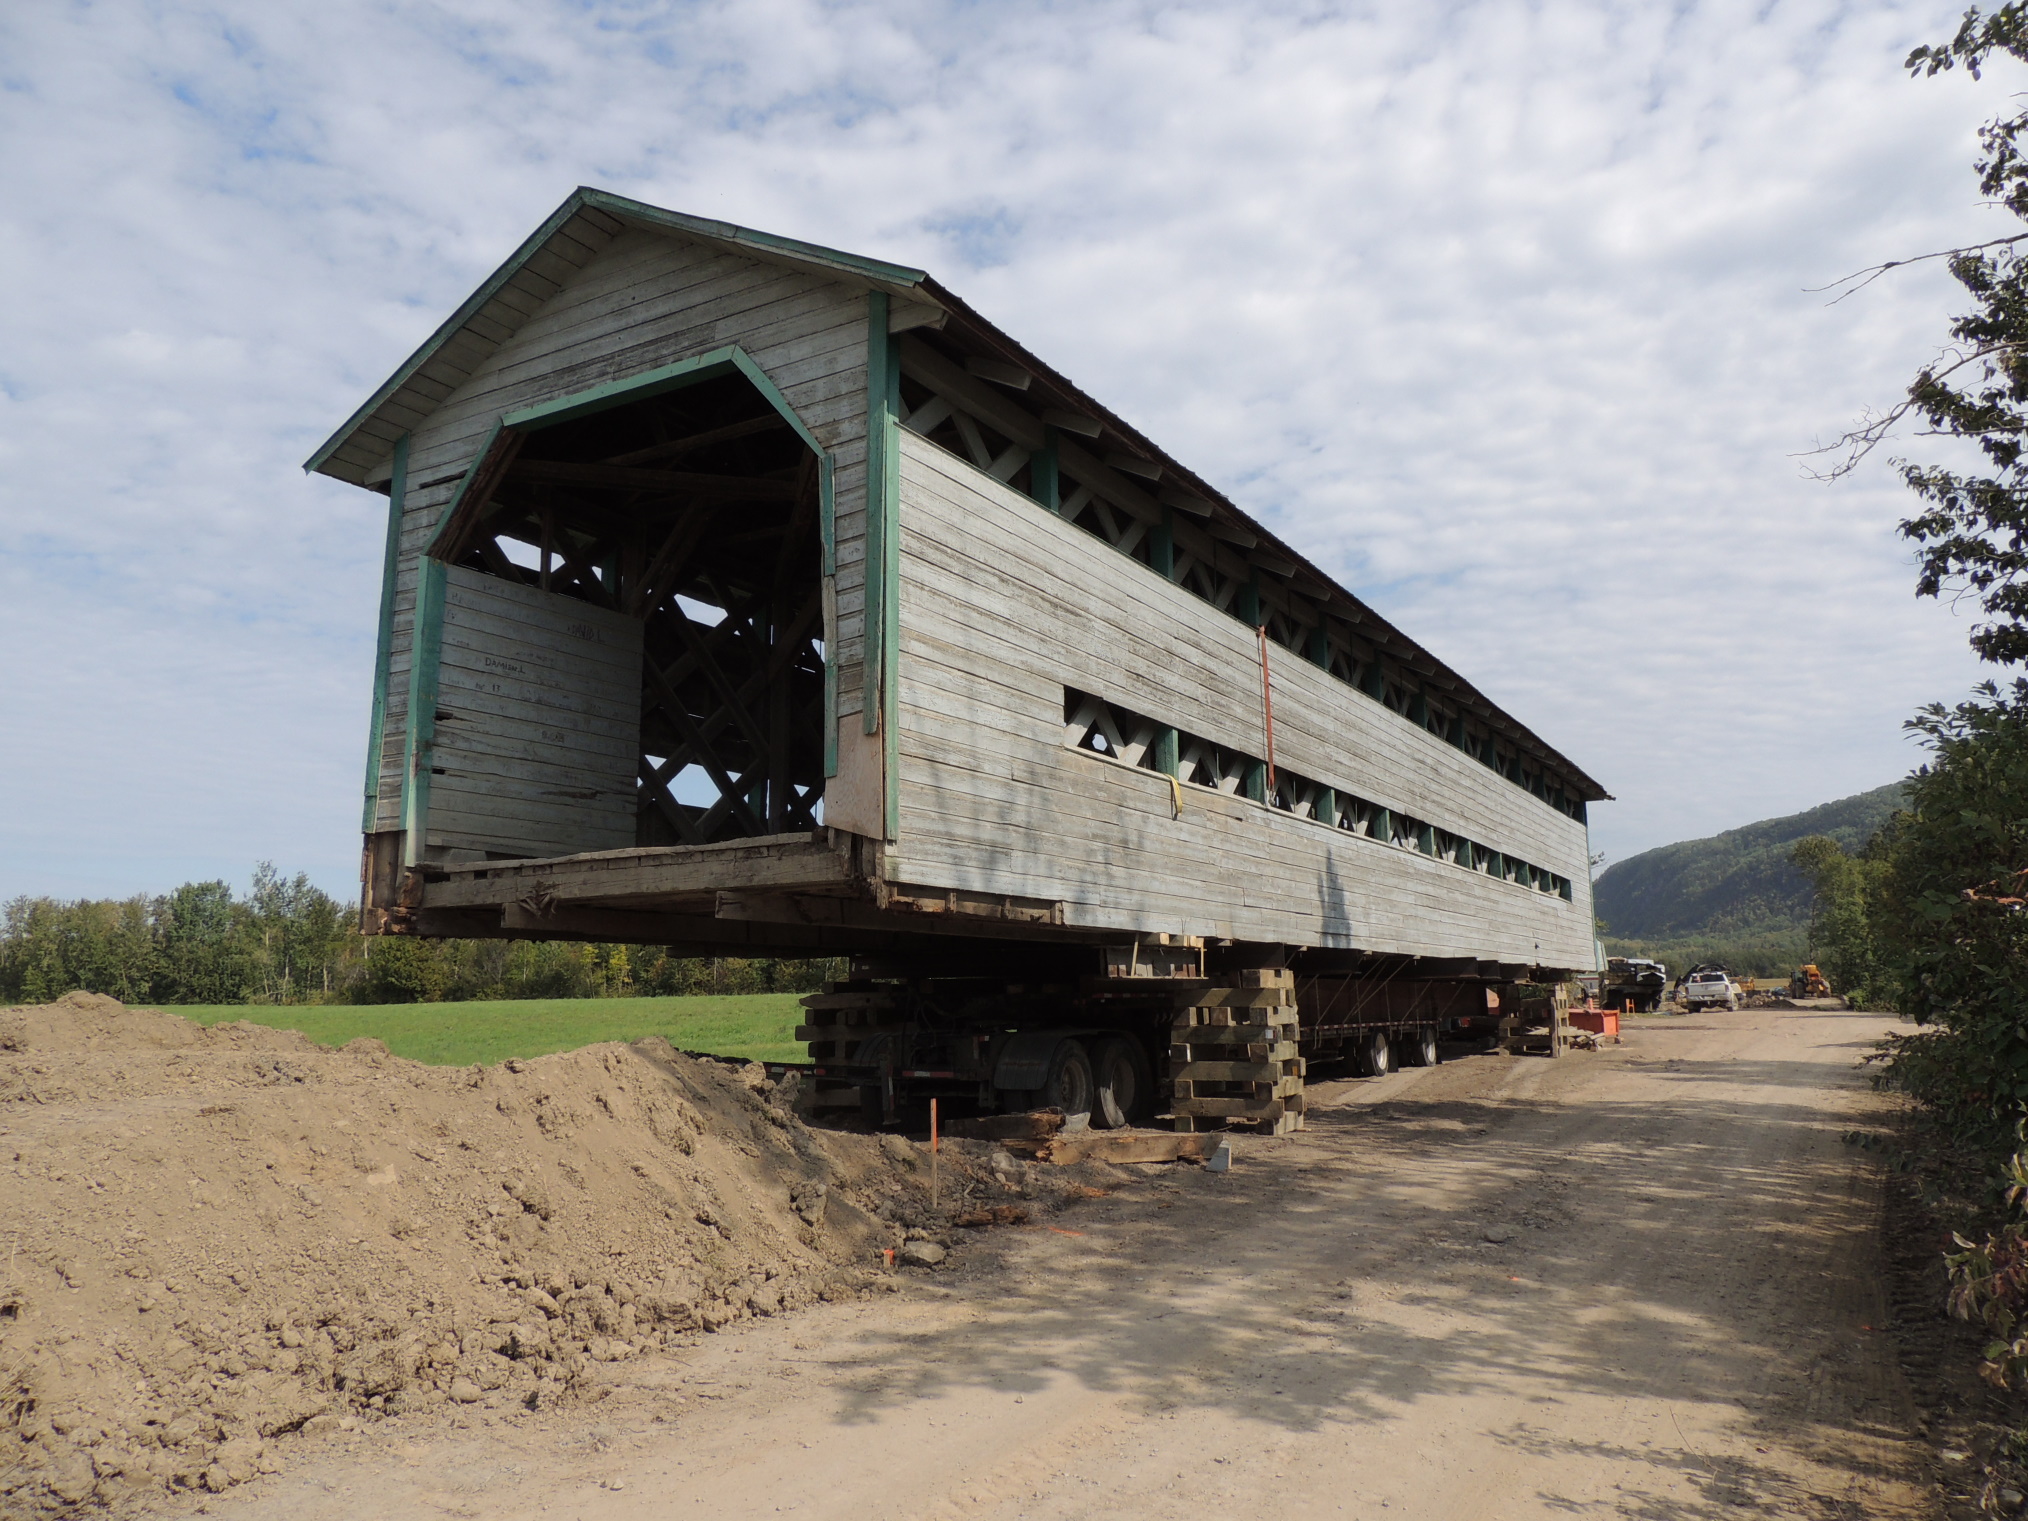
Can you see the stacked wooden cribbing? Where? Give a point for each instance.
(1232, 1057)
(836, 1024)
(1519, 1032)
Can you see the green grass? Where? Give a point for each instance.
(754, 1026)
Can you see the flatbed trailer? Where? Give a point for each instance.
(1184, 1048)
(747, 597)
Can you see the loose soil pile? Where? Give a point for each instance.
(213, 1238)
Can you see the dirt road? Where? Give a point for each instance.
(1639, 1283)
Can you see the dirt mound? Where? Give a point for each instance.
(211, 1238)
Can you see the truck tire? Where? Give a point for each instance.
(1420, 1048)
(1376, 1057)
(1122, 1083)
(1069, 1084)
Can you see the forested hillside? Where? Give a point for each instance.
(1735, 897)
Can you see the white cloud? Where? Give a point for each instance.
(1498, 310)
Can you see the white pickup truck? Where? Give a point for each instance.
(1707, 989)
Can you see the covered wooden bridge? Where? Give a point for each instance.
(747, 596)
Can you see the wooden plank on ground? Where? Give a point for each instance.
(1123, 1146)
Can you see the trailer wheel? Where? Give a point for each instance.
(1421, 1048)
(1376, 1057)
(1122, 1084)
(1069, 1084)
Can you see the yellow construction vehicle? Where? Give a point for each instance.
(1808, 982)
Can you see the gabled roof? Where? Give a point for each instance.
(575, 234)
(578, 230)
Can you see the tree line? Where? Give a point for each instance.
(286, 941)
(1931, 917)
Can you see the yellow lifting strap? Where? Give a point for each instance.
(1175, 798)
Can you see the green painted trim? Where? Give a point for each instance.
(383, 649)
(878, 342)
(1425, 840)
(668, 377)
(1246, 606)
(1382, 826)
(1325, 806)
(827, 534)
(1045, 473)
(730, 359)
(1255, 784)
(457, 497)
(1168, 756)
(418, 749)
(1162, 546)
(1320, 647)
(890, 611)
(881, 699)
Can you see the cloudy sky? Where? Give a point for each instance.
(1499, 310)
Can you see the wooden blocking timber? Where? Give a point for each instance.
(1516, 1039)
(857, 998)
(839, 1018)
(1265, 1049)
(1211, 1000)
(1269, 1071)
(1233, 1056)
(1123, 1146)
(1268, 977)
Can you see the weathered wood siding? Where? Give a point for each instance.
(538, 723)
(646, 299)
(1003, 605)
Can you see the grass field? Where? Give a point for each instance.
(756, 1026)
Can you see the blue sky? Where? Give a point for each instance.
(1500, 311)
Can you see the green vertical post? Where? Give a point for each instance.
(383, 650)
(1320, 647)
(878, 342)
(1168, 756)
(1247, 603)
(1045, 482)
(1382, 826)
(827, 532)
(1325, 806)
(1256, 780)
(882, 691)
(1425, 840)
(426, 645)
(1374, 684)
(1418, 710)
(1162, 546)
